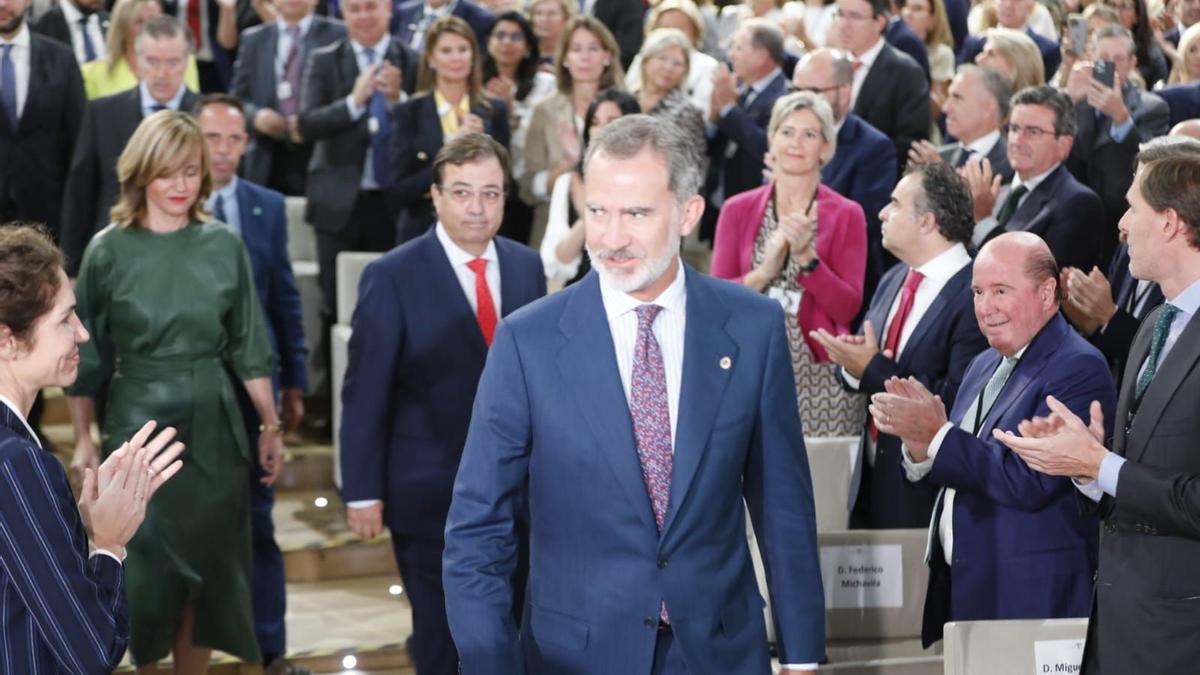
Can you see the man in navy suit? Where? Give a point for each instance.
(921, 324)
(888, 88)
(1005, 542)
(426, 315)
(1043, 197)
(258, 214)
(412, 18)
(741, 107)
(1014, 15)
(636, 415)
(267, 77)
(863, 166)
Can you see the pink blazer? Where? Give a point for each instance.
(833, 293)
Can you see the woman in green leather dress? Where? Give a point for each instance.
(170, 303)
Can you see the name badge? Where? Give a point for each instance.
(373, 125)
(283, 90)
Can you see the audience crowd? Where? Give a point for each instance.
(972, 214)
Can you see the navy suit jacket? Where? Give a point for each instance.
(263, 221)
(1183, 100)
(1067, 214)
(1117, 337)
(416, 139)
(551, 422)
(1051, 57)
(900, 36)
(864, 170)
(62, 612)
(416, 353)
(1022, 550)
(747, 127)
(937, 353)
(406, 15)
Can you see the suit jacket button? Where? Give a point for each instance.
(662, 563)
(651, 622)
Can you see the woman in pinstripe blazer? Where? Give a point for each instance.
(62, 610)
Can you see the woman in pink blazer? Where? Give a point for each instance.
(805, 245)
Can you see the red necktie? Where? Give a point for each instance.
(485, 309)
(193, 22)
(907, 296)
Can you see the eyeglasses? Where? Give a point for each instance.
(506, 36)
(463, 196)
(1033, 133)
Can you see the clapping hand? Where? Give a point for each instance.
(910, 411)
(1060, 444)
(852, 352)
(984, 185)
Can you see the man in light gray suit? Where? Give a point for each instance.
(1146, 610)
(267, 78)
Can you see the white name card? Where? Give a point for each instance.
(862, 576)
(1057, 656)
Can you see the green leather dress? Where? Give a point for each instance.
(174, 319)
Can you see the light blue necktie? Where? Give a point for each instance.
(377, 108)
(8, 86)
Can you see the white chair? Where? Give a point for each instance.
(301, 239)
(350, 266)
(1024, 646)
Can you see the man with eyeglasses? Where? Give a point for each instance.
(861, 168)
(1112, 122)
(424, 321)
(1043, 197)
(889, 90)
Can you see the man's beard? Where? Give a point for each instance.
(650, 270)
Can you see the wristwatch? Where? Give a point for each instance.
(812, 265)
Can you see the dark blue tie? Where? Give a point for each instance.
(8, 86)
(219, 209)
(377, 108)
(89, 49)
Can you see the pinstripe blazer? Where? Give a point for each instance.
(60, 611)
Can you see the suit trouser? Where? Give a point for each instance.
(369, 228)
(431, 647)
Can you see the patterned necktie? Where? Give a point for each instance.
(377, 108)
(1162, 328)
(896, 328)
(485, 307)
(1010, 205)
(651, 415)
(291, 74)
(89, 49)
(8, 86)
(219, 209)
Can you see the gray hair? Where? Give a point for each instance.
(996, 84)
(624, 138)
(767, 36)
(1114, 31)
(843, 67)
(660, 40)
(785, 106)
(163, 27)
(1054, 99)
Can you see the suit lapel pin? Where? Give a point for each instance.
(726, 363)
(257, 210)
(421, 156)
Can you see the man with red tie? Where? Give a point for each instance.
(425, 317)
(921, 322)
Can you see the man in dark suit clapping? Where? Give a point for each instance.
(267, 78)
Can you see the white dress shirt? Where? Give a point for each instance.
(938, 273)
(915, 471)
(867, 60)
(74, 18)
(16, 411)
(982, 146)
(668, 327)
(20, 60)
(466, 276)
(558, 226)
(380, 50)
(148, 101)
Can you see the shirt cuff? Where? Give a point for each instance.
(914, 470)
(355, 111)
(851, 381)
(362, 503)
(1110, 471)
(1119, 132)
(1089, 489)
(802, 666)
(104, 551)
(725, 110)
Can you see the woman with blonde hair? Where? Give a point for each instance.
(804, 245)
(168, 298)
(450, 101)
(118, 71)
(681, 15)
(549, 19)
(1014, 55)
(588, 61)
(663, 65)
(1187, 65)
